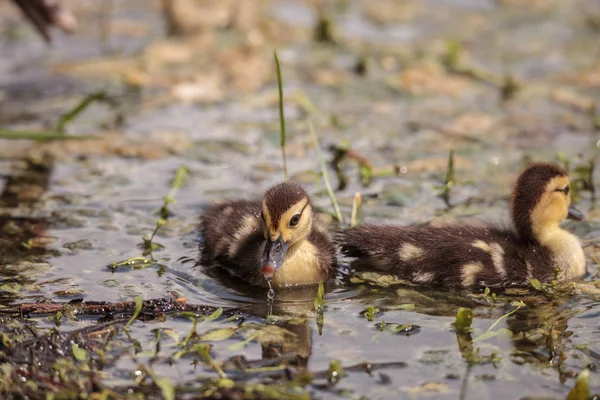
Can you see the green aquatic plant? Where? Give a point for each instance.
(454, 54)
(335, 372)
(310, 111)
(80, 107)
(59, 132)
(581, 390)
(148, 241)
(583, 180)
(356, 204)
(10, 134)
(164, 384)
(450, 179)
(332, 198)
(370, 313)
(139, 303)
(319, 304)
(135, 263)
(148, 244)
(324, 30)
(490, 333)
(180, 175)
(464, 319)
(281, 115)
(79, 353)
(402, 329)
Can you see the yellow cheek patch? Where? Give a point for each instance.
(552, 208)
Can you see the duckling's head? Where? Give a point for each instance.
(286, 220)
(541, 200)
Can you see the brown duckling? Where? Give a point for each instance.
(278, 239)
(465, 255)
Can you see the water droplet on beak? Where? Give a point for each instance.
(268, 270)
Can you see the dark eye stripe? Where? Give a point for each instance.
(565, 190)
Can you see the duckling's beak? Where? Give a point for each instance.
(273, 257)
(575, 214)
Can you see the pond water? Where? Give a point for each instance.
(208, 101)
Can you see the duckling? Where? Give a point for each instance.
(277, 240)
(467, 255)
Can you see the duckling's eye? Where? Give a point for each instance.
(565, 190)
(295, 219)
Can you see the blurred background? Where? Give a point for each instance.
(428, 108)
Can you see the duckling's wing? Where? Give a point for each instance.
(233, 239)
(453, 255)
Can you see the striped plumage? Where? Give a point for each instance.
(241, 237)
(465, 255)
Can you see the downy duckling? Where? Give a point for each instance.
(466, 255)
(277, 239)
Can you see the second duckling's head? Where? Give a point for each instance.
(286, 219)
(541, 200)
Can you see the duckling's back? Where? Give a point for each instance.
(455, 255)
(232, 235)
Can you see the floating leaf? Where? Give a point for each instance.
(402, 329)
(581, 390)
(407, 329)
(218, 312)
(464, 319)
(378, 279)
(218, 334)
(79, 353)
(12, 287)
(136, 263)
(536, 284)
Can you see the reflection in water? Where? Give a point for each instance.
(22, 240)
(290, 314)
(540, 335)
(290, 335)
